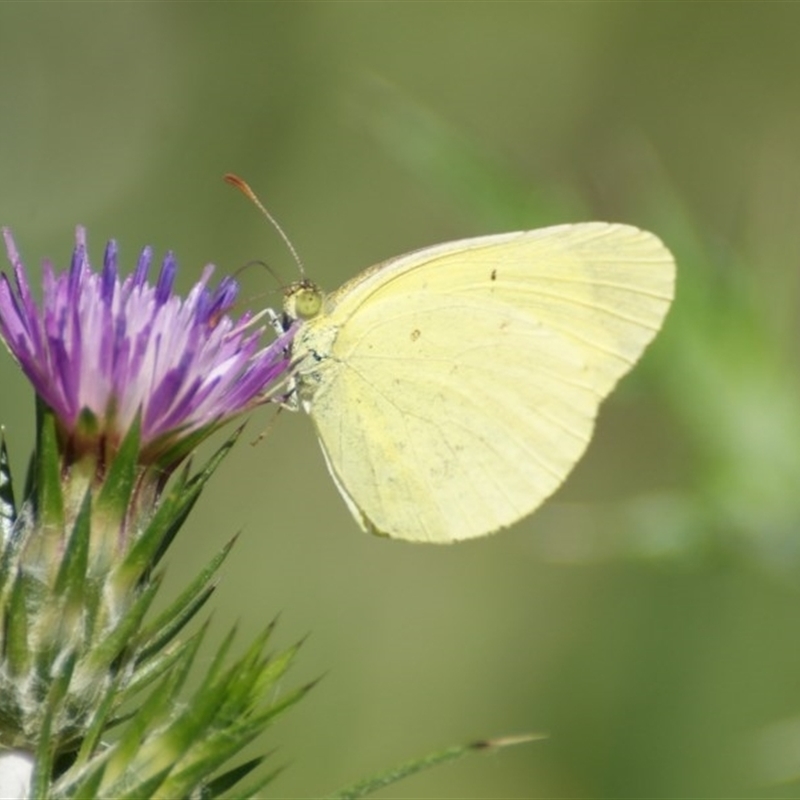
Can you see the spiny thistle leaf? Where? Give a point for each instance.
(106, 651)
(126, 759)
(49, 499)
(193, 487)
(156, 635)
(171, 760)
(71, 575)
(226, 714)
(177, 504)
(373, 784)
(277, 666)
(8, 509)
(45, 750)
(9, 556)
(181, 781)
(144, 788)
(243, 675)
(219, 658)
(115, 495)
(158, 665)
(125, 751)
(183, 445)
(286, 702)
(43, 759)
(99, 722)
(87, 787)
(228, 779)
(172, 511)
(216, 459)
(15, 644)
(255, 790)
(180, 672)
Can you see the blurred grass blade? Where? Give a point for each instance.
(383, 779)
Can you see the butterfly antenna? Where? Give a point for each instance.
(244, 188)
(259, 263)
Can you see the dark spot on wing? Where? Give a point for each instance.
(415, 334)
(493, 276)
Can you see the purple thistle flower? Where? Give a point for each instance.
(116, 348)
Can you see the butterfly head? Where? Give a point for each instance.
(302, 300)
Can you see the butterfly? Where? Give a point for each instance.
(454, 388)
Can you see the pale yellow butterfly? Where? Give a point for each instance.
(454, 388)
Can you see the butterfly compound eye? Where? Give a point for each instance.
(303, 300)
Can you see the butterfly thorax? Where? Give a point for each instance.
(303, 302)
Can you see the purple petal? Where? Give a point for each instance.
(143, 266)
(109, 279)
(166, 279)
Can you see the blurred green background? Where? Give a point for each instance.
(647, 619)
